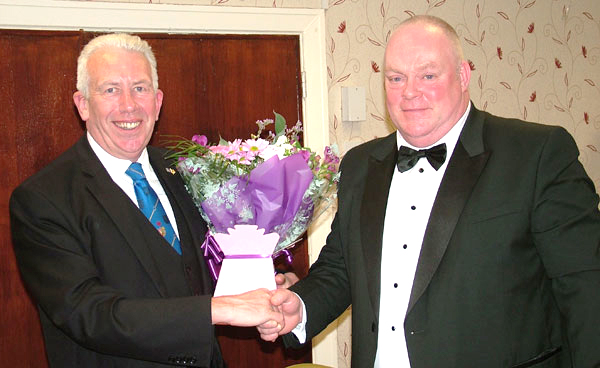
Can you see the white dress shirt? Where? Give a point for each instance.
(410, 201)
(116, 168)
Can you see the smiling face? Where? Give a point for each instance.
(123, 106)
(426, 83)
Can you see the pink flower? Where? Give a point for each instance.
(219, 149)
(253, 147)
(245, 158)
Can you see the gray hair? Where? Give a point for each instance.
(120, 40)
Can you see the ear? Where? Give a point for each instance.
(465, 75)
(82, 105)
(159, 100)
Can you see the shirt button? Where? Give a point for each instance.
(421, 170)
(393, 328)
(413, 208)
(405, 246)
(395, 284)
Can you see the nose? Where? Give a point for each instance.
(126, 101)
(411, 88)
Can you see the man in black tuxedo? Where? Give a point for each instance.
(483, 251)
(111, 291)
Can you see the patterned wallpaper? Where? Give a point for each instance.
(532, 59)
(535, 60)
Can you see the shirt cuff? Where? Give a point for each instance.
(300, 330)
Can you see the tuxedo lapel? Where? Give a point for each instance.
(124, 214)
(465, 166)
(380, 168)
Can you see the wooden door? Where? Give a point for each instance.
(217, 85)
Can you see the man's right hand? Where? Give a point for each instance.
(289, 304)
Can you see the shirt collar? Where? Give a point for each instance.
(112, 164)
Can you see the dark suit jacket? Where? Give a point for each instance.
(509, 271)
(111, 292)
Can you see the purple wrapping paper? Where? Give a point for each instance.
(270, 197)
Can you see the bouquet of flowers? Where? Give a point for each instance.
(257, 196)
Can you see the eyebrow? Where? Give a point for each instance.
(115, 83)
(428, 65)
(419, 68)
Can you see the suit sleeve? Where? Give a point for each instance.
(326, 290)
(566, 231)
(56, 261)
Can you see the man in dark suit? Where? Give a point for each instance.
(481, 252)
(111, 291)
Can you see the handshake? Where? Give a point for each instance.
(273, 313)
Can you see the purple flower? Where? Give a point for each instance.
(305, 155)
(330, 156)
(200, 139)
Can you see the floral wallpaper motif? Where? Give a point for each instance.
(535, 60)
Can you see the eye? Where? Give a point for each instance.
(140, 89)
(110, 90)
(395, 78)
(428, 76)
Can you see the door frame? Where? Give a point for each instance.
(308, 24)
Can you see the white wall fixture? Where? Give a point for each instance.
(354, 106)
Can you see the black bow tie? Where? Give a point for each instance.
(408, 157)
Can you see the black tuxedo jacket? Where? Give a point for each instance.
(509, 271)
(111, 292)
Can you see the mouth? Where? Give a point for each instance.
(414, 110)
(128, 125)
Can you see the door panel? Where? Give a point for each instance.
(217, 85)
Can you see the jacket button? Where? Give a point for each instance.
(373, 327)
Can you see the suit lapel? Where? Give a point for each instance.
(465, 166)
(124, 214)
(192, 229)
(182, 208)
(380, 169)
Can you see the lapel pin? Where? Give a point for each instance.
(169, 170)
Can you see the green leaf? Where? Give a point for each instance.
(280, 124)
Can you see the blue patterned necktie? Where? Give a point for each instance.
(150, 205)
